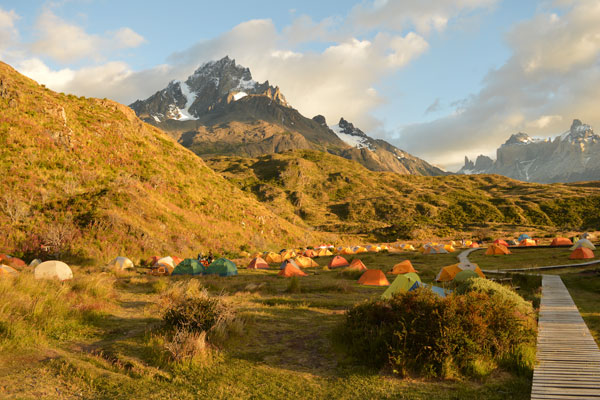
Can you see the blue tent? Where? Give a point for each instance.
(523, 237)
(435, 289)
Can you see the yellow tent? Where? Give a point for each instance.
(346, 250)
(448, 273)
(359, 249)
(286, 255)
(384, 247)
(373, 249)
(273, 258)
(497, 249)
(408, 247)
(305, 262)
(449, 248)
(324, 252)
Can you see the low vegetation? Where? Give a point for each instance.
(466, 334)
(338, 195)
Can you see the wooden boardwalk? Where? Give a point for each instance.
(568, 357)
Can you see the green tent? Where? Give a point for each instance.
(402, 283)
(465, 275)
(221, 267)
(189, 266)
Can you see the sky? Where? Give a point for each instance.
(441, 79)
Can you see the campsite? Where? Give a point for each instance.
(283, 333)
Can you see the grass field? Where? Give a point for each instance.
(282, 345)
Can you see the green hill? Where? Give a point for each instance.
(337, 195)
(85, 178)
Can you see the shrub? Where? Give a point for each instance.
(467, 333)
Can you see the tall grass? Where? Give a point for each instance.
(39, 312)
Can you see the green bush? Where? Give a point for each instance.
(196, 312)
(467, 333)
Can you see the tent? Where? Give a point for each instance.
(324, 253)
(474, 245)
(584, 243)
(14, 262)
(402, 283)
(221, 267)
(337, 261)
(501, 242)
(527, 242)
(394, 250)
(373, 249)
(35, 263)
(435, 250)
(306, 262)
(189, 266)
(497, 249)
(176, 260)
(290, 261)
(522, 237)
(258, 263)
(465, 275)
(403, 268)
(435, 289)
(448, 273)
(407, 247)
(373, 277)
(383, 247)
(121, 264)
(6, 270)
(166, 262)
(290, 270)
(310, 253)
(581, 253)
(287, 254)
(449, 248)
(346, 250)
(273, 258)
(152, 260)
(586, 235)
(356, 265)
(53, 269)
(561, 241)
(359, 249)
(512, 242)
(468, 243)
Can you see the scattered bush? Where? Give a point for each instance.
(467, 333)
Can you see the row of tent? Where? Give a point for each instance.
(52, 269)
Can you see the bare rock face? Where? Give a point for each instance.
(571, 156)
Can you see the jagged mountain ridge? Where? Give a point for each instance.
(569, 157)
(221, 110)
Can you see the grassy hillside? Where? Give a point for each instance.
(335, 195)
(86, 179)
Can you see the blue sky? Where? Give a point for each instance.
(416, 73)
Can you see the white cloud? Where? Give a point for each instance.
(8, 31)
(424, 16)
(66, 42)
(550, 79)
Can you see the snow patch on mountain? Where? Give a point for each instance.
(349, 139)
(239, 95)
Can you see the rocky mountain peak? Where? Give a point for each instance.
(580, 133)
(519, 138)
(320, 120)
(212, 85)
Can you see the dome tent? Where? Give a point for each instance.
(121, 264)
(221, 267)
(53, 270)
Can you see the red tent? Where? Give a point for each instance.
(337, 261)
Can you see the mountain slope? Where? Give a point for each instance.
(88, 179)
(221, 110)
(572, 156)
(338, 195)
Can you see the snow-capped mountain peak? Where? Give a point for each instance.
(350, 135)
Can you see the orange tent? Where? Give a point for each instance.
(258, 263)
(356, 265)
(337, 261)
(373, 277)
(12, 261)
(527, 242)
(474, 245)
(310, 253)
(289, 270)
(448, 273)
(176, 260)
(581, 253)
(497, 249)
(560, 241)
(403, 267)
(502, 242)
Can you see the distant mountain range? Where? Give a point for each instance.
(569, 157)
(221, 110)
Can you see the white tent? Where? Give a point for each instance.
(121, 263)
(53, 269)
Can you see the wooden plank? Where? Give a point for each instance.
(568, 357)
